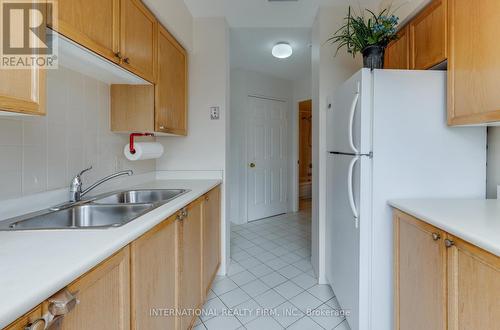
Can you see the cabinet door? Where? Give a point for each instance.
(92, 23)
(23, 91)
(211, 237)
(473, 287)
(428, 36)
(171, 86)
(26, 320)
(474, 63)
(397, 53)
(154, 276)
(104, 296)
(138, 29)
(191, 270)
(420, 275)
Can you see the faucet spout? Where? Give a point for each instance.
(76, 192)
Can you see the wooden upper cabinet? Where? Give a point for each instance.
(154, 276)
(92, 23)
(420, 275)
(474, 64)
(474, 287)
(171, 85)
(397, 53)
(428, 33)
(138, 29)
(23, 91)
(211, 237)
(103, 295)
(191, 293)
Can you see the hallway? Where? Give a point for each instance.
(271, 282)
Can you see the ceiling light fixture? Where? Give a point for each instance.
(282, 50)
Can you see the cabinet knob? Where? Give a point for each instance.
(448, 243)
(36, 325)
(252, 165)
(126, 60)
(162, 127)
(118, 55)
(436, 236)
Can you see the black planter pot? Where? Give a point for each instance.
(373, 57)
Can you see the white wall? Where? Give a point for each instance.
(205, 147)
(39, 154)
(328, 72)
(243, 84)
(493, 170)
(175, 16)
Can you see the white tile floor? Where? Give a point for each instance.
(271, 283)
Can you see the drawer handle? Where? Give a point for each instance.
(436, 236)
(448, 243)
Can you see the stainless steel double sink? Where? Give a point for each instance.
(105, 211)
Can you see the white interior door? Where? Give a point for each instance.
(266, 158)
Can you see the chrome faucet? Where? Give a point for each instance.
(75, 189)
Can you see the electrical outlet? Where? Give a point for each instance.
(214, 113)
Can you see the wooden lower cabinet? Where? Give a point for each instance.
(442, 282)
(26, 320)
(473, 287)
(191, 249)
(211, 237)
(103, 295)
(155, 283)
(154, 276)
(420, 275)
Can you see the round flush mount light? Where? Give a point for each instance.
(282, 50)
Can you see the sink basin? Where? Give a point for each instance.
(140, 196)
(82, 217)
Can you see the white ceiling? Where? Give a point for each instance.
(262, 13)
(251, 50)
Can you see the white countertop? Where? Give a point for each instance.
(36, 264)
(474, 221)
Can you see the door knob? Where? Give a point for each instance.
(252, 165)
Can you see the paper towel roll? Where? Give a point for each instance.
(144, 150)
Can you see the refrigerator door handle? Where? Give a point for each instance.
(351, 123)
(350, 193)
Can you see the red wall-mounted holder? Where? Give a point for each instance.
(134, 135)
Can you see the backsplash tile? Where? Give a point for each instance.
(44, 153)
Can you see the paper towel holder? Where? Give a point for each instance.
(134, 135)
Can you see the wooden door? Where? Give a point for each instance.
(191, 292)
(305, 141)
(104, 296)
(26, 320)
(428, 33)
(473, 64)
(397, 53)
(138, 28)
(171, 85)
(154, 275)
(473, 287)
(420, 275)
(211, 237)
(267, 158)
(93, 24)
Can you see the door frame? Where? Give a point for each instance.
(297, 162)
(245, 150)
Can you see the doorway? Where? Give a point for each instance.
(267, 158)
(305, 154)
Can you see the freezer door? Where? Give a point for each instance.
(342, 231)
(349, 118)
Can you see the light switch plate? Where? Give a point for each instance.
(214, 113)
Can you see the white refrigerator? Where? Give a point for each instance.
(388, 139)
